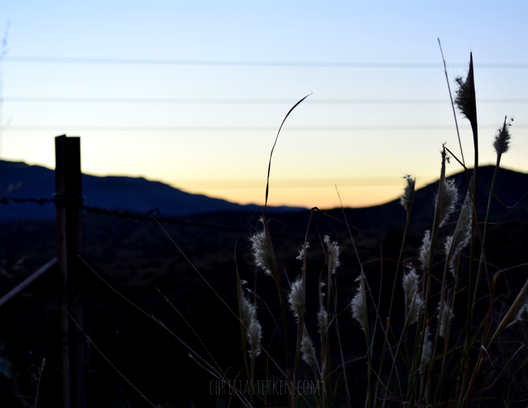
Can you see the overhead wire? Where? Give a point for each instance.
(335, 101)
(212, 128)
(246, 63)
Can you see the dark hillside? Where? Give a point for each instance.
(135, 194)
(141, 257)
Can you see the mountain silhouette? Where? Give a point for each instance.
(133, 194)
(139, 195)
(510, 203)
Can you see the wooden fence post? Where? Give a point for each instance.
(68, 189)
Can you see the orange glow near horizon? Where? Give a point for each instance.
(321, 197)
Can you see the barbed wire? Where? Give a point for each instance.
(5, 200)
(151, 215)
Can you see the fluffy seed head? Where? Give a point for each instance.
(425, 250)
(254, 338)
(297, 298)
(247, 311)
(333, 254)
(261, 252)
(460, 239)
(302, 251)
(522, 314)
(407, 198)
(450, 259)
(445, 315)
(248, 315)
(502, 140)
(322, 319)
(413, 298)
(307, 350)
(446, 200)
(426, 352)
(358, 306)
(447, 194)
(465, 98)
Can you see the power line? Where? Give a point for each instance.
(246, 63)
(344, 101)
(105, 128)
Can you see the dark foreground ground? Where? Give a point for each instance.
(141, 257)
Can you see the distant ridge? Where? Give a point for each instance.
(20, 180)
(511, 190)
(141, 195)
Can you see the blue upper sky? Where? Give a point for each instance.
(192, 93)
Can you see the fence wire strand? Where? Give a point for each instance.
(151, 215)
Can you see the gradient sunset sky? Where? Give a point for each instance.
(192, 93)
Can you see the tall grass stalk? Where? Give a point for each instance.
(407, 200)
(453, 247)
(39, 379)
(501, 145)
(466, 103)
(360, 313)
(445, 200)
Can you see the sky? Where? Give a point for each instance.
(193, 93)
